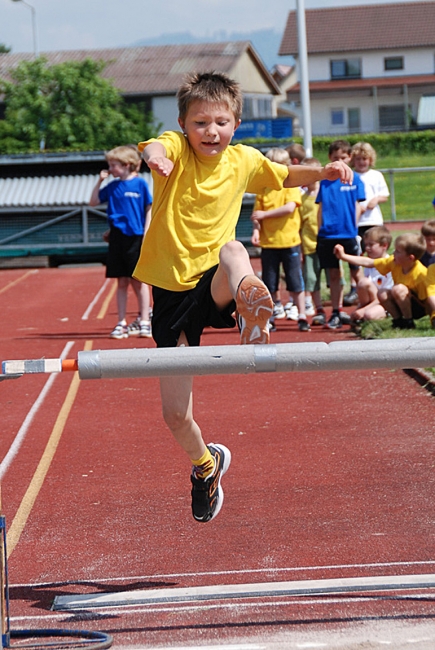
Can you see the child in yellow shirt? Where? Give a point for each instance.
(276, 226)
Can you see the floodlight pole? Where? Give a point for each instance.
(303, 77)
(34, 30)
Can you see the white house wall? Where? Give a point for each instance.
(416, 61)
(165, 110)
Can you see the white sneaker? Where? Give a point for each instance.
(293, 313)
(278, 311)
(309, 310)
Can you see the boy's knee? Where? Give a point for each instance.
(399, 292)
(232, 248)
(364, 283)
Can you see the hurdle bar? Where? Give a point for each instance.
(238, 359)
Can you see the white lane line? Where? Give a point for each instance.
(95, 300)
(15, 446)
(266, 571)
(243, 591)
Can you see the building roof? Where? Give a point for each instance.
(368, 83)
(363, 28)
(153, 70)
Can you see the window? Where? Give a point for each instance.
(337, 117)
(354, 119)
(346, 69)
(257, 107)
(392, 118)
(393, 63)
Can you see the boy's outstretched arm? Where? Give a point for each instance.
(358, 260)
(155, 157)
(305, 174)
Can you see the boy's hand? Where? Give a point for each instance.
(104, 174)
(257, 215)
(339, 251)
(337, 170)
(255, 239)
(162, 165)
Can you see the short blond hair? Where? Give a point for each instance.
(278, 155)
(412, 244)
(365, 150)
(126, 154)
(297, 151)
(379, 234)
(428, 228)
(212, 87)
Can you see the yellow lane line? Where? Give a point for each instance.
(37, 481)
(105, 305)
(14, 282)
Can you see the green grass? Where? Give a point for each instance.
(382, 329)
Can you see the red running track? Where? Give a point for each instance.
(332, 477)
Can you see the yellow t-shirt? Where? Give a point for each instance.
(279, 232)
(415, 279)
(430, 280)
(309, 224)
(196, 209)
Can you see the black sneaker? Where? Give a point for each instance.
(334, 323)
(319, 318)
(350, 298)
(345, 318)
(303, 325)
(207, 494)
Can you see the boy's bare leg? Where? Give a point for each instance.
(214, 459)
(121, 298)
(336, 289)
(142, 292)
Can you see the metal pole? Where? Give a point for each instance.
(246, 359)
(304, 81)
(34, 30)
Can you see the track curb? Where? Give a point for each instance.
(424, 378)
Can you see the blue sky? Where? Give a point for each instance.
(79, 24)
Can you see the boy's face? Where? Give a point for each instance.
(209, 127)
(374, 249)
(361, 164)
(118, 170)
(402, 258)
(339, 154)
(430, 243)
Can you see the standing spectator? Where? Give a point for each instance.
(128, 212)
(309, 230)
(338, 225)
(296, 153)
(276, 225)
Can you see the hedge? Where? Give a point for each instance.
(385, 144)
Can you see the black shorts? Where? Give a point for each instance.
(325, 251)
(271, 259)
(123, 254)
(189, 312)
(418, 307)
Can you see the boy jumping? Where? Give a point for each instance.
(198, 272)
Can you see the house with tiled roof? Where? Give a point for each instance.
(152, 74)
(371, 68)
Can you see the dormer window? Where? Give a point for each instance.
(393, 63)
(345, 69)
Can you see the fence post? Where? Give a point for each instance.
(392, 195)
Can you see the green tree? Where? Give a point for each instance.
(67, 106)
(4, 49)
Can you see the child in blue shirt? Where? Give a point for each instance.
(128, 212)
(337, 219)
